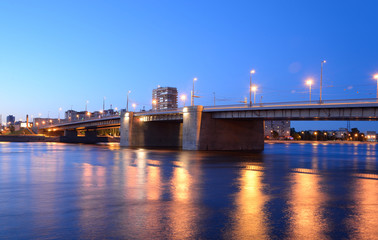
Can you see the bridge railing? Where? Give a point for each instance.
(296, 103)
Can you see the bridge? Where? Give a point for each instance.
(228, 127)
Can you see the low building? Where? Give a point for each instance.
(43, 122)
(371, 136)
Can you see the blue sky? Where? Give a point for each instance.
(61, 53)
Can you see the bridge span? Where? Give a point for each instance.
(233, 127)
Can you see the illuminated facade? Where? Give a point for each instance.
(164, 98)
(371, 136)
(281, 127)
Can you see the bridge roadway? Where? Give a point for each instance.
(232, 127)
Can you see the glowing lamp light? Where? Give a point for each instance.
(254, 88)
(375, 76)
(252, 71)
(185, 110)
(183, 97)
(309, 82)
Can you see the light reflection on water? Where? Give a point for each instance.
(294, 191)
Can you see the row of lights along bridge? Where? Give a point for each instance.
(252, 89)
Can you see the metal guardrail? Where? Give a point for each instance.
(297, 103)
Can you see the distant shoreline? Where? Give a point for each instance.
(318, 142)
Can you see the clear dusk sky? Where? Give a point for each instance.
(62, 53)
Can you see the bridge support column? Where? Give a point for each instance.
(125, 128)
(191, 126)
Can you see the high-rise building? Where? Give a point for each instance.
(281, 127)
(164, 98)
(10, 120)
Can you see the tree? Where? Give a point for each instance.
(11, 128)
(275, 134)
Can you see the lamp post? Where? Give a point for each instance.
(127, 103)
(183, 98)
(192, 100)
(250, 86)
(103, 104)
(134, 105)
(309, 83)
(321, 80)
(376, 78)
(154, 105)
(254, 89)
(60, 109)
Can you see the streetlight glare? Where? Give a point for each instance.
(194, 79)
(309, 82)
(376, 76)
(252, 71)
(183, 97)
(254, 88)
(134, 105)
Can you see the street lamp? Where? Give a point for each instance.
(250, 86)
(154, 104)
(134, 105)
(127, 103)
(254, 89)
(183, 98)
(192, 100)
(309, 83)
(376, 78)
(321, 79)
(60, 109)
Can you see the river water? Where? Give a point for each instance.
(290, 191)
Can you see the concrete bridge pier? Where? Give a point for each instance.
(191, 127)
(203, 132)
(125, 128)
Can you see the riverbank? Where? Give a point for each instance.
(318, 142)
(27, 138)
(42, 138)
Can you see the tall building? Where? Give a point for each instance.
(281, 127)
(10, 120)
(164, 98)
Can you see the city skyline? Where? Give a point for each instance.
(58, 55)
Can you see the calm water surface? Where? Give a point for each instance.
(291, 191)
